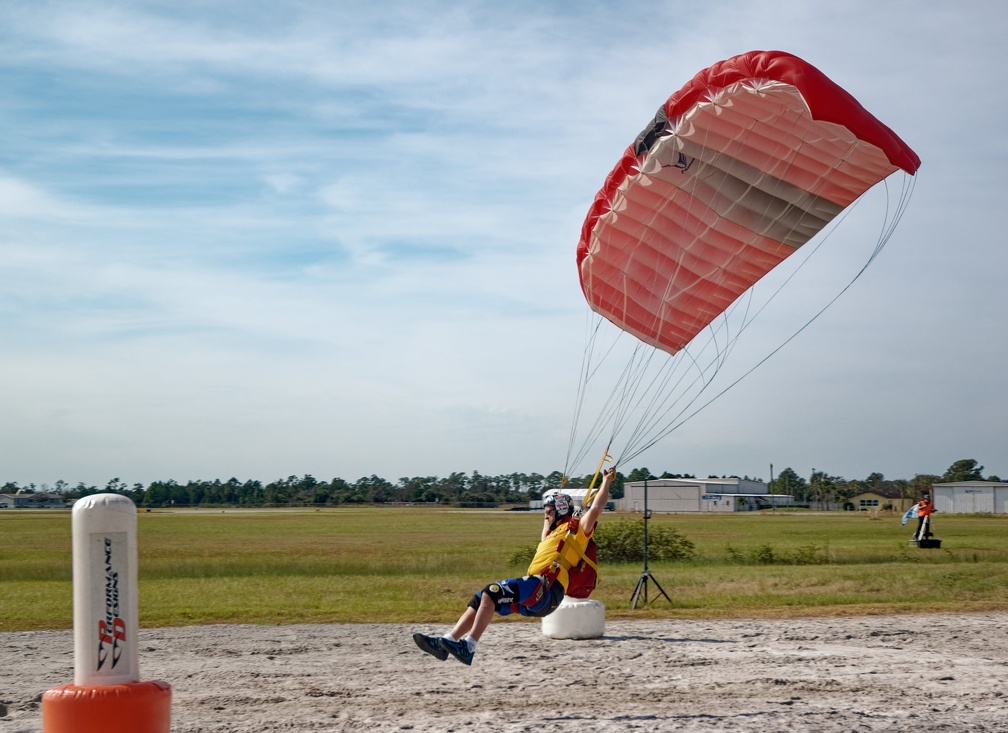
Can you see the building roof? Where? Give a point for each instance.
(882, 493)
(976, 484)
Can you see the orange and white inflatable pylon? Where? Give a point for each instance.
(107, 695)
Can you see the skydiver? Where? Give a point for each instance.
(924, 509)
(539, 592)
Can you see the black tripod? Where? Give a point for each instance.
(642, 582)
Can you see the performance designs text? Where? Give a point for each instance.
(111, 629)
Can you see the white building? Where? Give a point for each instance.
(971, 497)
(673, 495)
(24, 500)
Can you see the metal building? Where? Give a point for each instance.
(971, 497)
(673, 495)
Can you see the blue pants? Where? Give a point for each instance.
(525, 596)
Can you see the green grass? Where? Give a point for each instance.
(382, 564)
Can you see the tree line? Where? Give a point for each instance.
(474, 489)
(457, 489)
(822, 487)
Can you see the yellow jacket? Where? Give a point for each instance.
(549, 551)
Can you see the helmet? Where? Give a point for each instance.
(563, 504)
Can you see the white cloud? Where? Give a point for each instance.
(339, 239)
(21, 200)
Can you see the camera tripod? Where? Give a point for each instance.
(642, 582)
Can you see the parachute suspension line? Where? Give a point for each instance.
(591, 335)
(662, 411)
(613, 410)
(889, 227)
(669, 381)
(576, 452)
(669, 388)
(888, 230)
(652, 416)
(675, 422)
(630, 391)
(657, 412)
(649, 399)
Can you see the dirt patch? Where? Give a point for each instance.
(942, 672)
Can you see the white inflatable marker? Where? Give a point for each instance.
(575, 618)
(107, 695)
(105, 600)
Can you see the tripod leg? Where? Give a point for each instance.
(661, 590)
(641, 586)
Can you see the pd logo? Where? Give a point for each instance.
(112, 628)
(111, 640)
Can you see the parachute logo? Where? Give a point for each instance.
(683, 163)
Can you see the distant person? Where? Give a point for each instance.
(924, 509)
(539, 592)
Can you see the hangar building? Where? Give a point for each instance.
(971, 497)
(673, 495)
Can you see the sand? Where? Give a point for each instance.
(878, 673)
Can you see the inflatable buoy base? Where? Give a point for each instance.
(575, 618)
(137, 707)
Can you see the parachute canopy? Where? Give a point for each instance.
(742, 166)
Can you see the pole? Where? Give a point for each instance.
(641, 589)
(647, 516)
(773, 502)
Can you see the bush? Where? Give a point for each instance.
(623, 541)
(766, 555)
(522, 556)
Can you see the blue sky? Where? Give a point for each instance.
(261, 239)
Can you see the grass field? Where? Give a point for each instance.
(412, 564)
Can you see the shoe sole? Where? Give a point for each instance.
(430, 646)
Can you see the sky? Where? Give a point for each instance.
(258, 239)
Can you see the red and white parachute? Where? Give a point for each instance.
(740, 168)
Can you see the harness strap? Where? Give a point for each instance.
(582, 553)
(545, 583)
(560, 563)
(572, 530)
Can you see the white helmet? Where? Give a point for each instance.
(563, 504)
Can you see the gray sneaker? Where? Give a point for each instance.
(430, 645)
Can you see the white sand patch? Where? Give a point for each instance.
(943, 672)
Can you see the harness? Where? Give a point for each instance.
(583, 570)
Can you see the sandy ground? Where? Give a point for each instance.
(877, 673)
